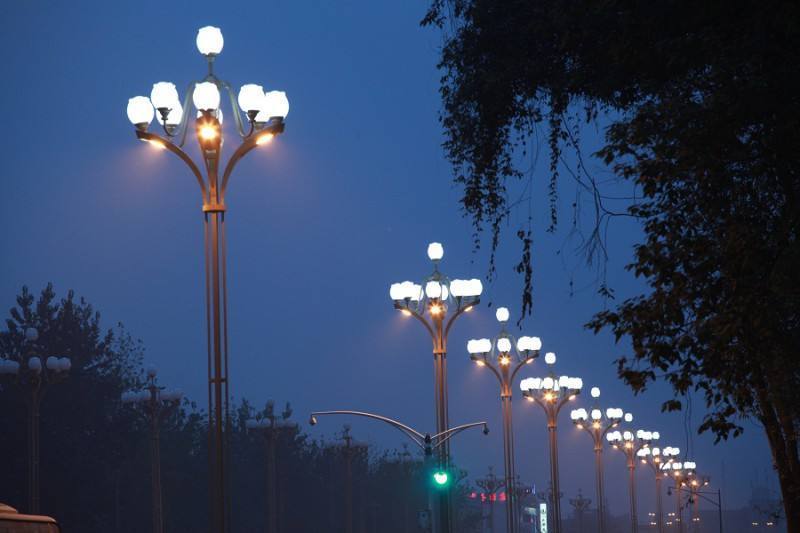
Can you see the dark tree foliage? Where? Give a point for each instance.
(702, 104)
(95, 451)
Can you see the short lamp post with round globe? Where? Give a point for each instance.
(630, 444)
(157, 404)
(259, 117)
(437, 302)
(597, 424)
(659, 461)
(29, 372)
(505, 356)
(551, 393)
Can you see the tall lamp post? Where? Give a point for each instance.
(426, 442)
(490, 485)
(630, 444)
(505, 356)
(659, 460)
(271, 425)
(29, 373)
(597, 424)
(158, 404)
(264, 115)
(436, 303)
(551, 394)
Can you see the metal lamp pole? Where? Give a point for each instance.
(659, 461)
(427, 443)
(264, 115)
(29, 372)
(551, 394)
(630, 445)
(597, 424)
(158, 404)
(505, 356)
(490, 485)
(682, 473)
(272, 425)
(436, 305)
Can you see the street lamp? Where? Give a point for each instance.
(436, 303)
(440, 476)
(491, 485)
(505, 356)
(659, 460)
(630, 444)
(682, 473)
(29, 372)
(597, 424)
(580, 504)
(272, 425)
(158, 404)
(551, 393)
(264, 114)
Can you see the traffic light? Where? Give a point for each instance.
(441, 478)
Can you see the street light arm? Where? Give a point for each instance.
(519, 367)
(169, 145)
(418, 317)
(459, 311)
(248, 144)
(416, 436)
(444, 436)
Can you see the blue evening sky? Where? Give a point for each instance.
(320, 222)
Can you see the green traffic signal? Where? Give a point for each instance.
(441, 478)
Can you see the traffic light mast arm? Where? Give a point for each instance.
(413, 434)
(444, 436)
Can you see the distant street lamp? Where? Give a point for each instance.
(505, 356)
(630, 444)
(490, 485)
(597, 424)
(264, 115)
(271, 425)
(436, 303)
(441, 475)
(682, 474)
(29, 372)
(580, 504)
(158, 404)
(551, 393)
(659, 460)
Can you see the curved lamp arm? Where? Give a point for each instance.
(459, 311)
(418, 317)
(248, 144)
(147, 136)
(416, 436)
(446, 435)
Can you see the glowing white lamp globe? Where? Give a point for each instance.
(550, 358)
(251, 97)
(140, 111)
(504, 345)
(548, 383)
(502, 314)
(206, 96)
(435, 251)
(595, 392)
(164, 95)
(476, 287)
(433, 289)
(209, 41)
(597, 414)
(274, 104)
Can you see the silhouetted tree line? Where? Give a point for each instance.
(95, 458)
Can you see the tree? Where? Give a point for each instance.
(701, 102)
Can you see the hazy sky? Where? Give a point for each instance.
(319, 224)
